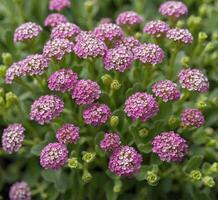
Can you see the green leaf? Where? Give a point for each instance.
(193, 163)
(36, 150)
(145, 148)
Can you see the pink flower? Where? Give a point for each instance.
(54, 19)
(180, 35)
(110, 142)
(58, 4)
(129, 18)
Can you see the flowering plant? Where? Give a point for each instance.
(108, 108)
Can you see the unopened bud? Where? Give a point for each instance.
(7, 59)
(138, 35)
(173, 121)
(117, 186)
(11, 98)
(213, 168)
(88, 157)
(201, 104)
(215, 36)
(208, 181)
(115, 85)
(3, 70)
(152, 178)
(114, 121)
(194, 21)
(212, 143)
(143, 132)
(203, 10)
(88, 5)
(209, 131)
(74, 163)
(195, 175)
(106, 79)
(180, 24)
(202, 36)
(185, 61)
(2, 92)
(86, 177)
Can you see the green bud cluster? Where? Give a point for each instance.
(114, 121)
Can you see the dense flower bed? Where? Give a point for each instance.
(109, 107)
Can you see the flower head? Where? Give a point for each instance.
(65, 30)
(57, 48)
(128, 18)
(127, 42)
(62, 80)
(55, 19)
(192, 117)
(156, 28)
(108, 32)
(27, 31)
(53, 156)
(12, 138)
(96, 114)
(166, 90)
(170, 147)
(68, 134)
(180, 35)
(58, 4)
(15, 70)
(141, 106)
(105, 20)
(110, 142)
(20, 191)
(87, 45)
(125, 161)
(193, 80)
(86, 92)
(149, 54)
(174, 9)
(118, 58)
(46, 108)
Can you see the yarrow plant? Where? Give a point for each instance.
(93, 100)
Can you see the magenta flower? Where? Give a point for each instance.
(149, 54)
(180, 35)
(128, 42)
(87, 45)
(108, 32)
(192, 117)
(62, 80)
(156, 28)
(166, 90)
(110, 142)
(46, 108)
(15, 70)
(27, 31)
(20, 191)
(53, 156)
(174, 9)
(193, 80)
(105, 20)
(141, 106)
(129, 18)
(125, 161)
(55, 19)
(12, 138)
(68, 134)
(170, 147)
(58, 4)
(57, 48)
(86, 92)
(96, 114)
(119, 59)
(65, 31)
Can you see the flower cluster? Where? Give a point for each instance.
(20, 191)
(110, 142)
(13, 137)
(58, 4)
(46, 108)
(170, 146)
(180, 35)
(62, 80)
(128, 18)
(141, 106)
(54, 19)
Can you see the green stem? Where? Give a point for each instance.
(171, 65)
(24, 85)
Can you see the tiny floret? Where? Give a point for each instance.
(110, 142)
(20, 191)
(27, 31)
(58, 5)
(12, 138)
(68, 134)
(86, 92)
(193, 80)
(192, 117)
(166, 90)
(129, 18)
(46, 108)
(125, 161)
(54, 156)
(119, 59)
(65, 31)
(141, 106)
(149, 54)
(54, 19)
(180, 35)
(174, 9)
(170, 147)
(62, 80)
(96, 114)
